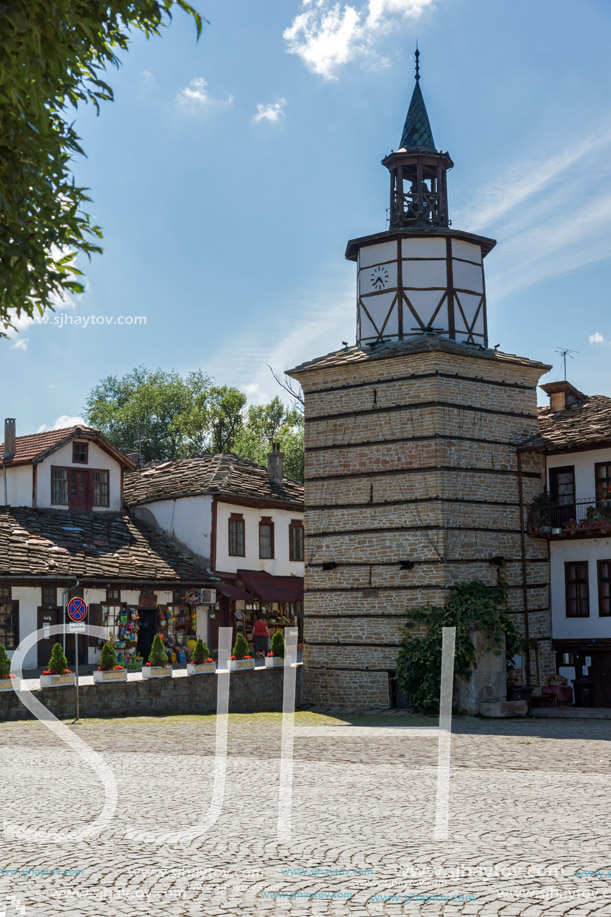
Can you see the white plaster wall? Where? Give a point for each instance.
(585, 487)
(98, 460)
(590, 549)
(18, 486)
(280, 565)
(188, 520)
(376, 254)
(29, 598)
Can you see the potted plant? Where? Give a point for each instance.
(108, 669)
(201, 660)
(7, 681)
(540, 513)
(157, 665)
(58, 672)
(278, 654)
(241, 658)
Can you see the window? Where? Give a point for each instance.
(603, 480)
(59, 485)
(80, 453)
(100, 488)
(296, 540)
(577, 590)
(236, 535)
(9, 624)
(266, 538)
(5, 593)
(49, 596)
(113, 595)
(604, 588)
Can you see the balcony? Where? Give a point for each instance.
(581, 519)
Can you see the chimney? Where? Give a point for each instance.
(563, 396)
(9, 437)
(134, 457)
(275, 461)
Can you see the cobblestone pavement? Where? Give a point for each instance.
(529, 821)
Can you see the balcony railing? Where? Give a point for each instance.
(583, 517)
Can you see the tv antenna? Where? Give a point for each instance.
(564, 353)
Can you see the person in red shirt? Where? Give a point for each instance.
(260, 636)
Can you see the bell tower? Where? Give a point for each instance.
(420, 275)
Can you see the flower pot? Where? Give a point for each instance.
(8, 684)
(156, 671)
(237, 665)
(198, 668)
(272, 661)
(55, 681)
(109, 675)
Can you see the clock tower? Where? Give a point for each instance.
(420, 274)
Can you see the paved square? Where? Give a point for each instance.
(530, 820)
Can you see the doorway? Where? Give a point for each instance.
(147, 618)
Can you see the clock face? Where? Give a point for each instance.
(379, 278)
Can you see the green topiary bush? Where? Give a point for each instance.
(278, 645)
(108, 657)
(241, 647)
(201, 652)
(5, 663)
(158, 655)
(58, 662)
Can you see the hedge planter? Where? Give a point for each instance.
(156, 671)
(238, 665)
(272, 661)
(194, 668)
(56, 681)
(8, 684)
(101, 677)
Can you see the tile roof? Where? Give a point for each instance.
(417, 133)
(420, 344)
(94, 546)
(225, 474)
(579, 427)
(37, 445)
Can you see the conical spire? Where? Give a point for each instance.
(417, 133)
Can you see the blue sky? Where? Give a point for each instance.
(229, 174)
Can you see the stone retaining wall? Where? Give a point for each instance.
(259, 690)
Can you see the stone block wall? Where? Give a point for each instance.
(410, 457)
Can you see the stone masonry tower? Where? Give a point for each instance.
(412, 481)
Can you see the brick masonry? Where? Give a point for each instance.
(411, 457)
(259, 690)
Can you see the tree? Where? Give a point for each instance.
(241, 648)
(273, 423)
(278, 644)
(108, 657)
(54, 53)
(158, 654)
(58, 662)
(5, 663)
(201, 653)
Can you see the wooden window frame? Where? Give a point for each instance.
(65, 482)
(296, 525)
(76, 446)
(51, 594)
(267, 522)
(13, 612)
(113, 595)
(600, 480)
(6, 593)
(236, 519)
(582, 601)
(95, 471)
(604, 600)
(553, 472)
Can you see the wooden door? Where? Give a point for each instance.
(562, 494)
(48, 616)
(80, 496)
(601, 679)
(148, 627)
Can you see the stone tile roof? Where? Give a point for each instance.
(579, 427)
(35, 446)
(223, 475)
(93, 546)
(417, 133)
(420, 344)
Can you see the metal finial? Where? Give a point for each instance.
(417, 63)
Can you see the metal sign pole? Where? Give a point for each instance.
(76, 671)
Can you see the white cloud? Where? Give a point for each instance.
(20, 344)
(326, 35)
(65, 420)
(148, 77)
(250, 389)
(196, 95)
(271, 112)
(597, 338)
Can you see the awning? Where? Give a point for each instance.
(270, 588)
(233, 592)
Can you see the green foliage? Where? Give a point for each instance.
(54, 53)
(241, 647)
(175, 416)
(5, 663)
(200, 653)
(471, 606)
(58, 661)
(278, 644)
(158, 654)
(108, 657)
